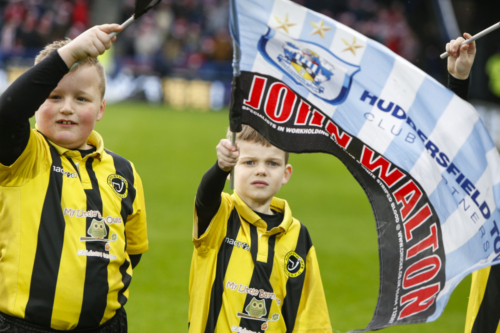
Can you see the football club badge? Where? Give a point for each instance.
(119, 185)
(326, 76)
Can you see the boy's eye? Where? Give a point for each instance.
(81, 99)
(273, 163)
(249, 162)
(55, 97)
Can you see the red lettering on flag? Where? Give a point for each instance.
(422, 271)
(418, 300)
(278, 111)
(408, 194)
(390, 178)
(343, 140)
(258, 85)
(420, 217)
(303, 113)
(429, 241)
(317, 119)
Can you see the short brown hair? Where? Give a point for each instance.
(85, 62)
(249, 134)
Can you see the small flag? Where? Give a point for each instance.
(422, 155)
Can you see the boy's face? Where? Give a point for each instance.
(259, 174)
(68, 115)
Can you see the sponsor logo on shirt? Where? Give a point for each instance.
(241, 329)
(96, 254)
(241, 288)
(65, 173)
(256, 310)
(98, 232)
(80, 213)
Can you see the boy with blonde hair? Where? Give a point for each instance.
(72, 215)
(254, 267)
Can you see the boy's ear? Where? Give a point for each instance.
(102, 107)
(288, 174)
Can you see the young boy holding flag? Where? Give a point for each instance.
(254, 267)
(72, 214)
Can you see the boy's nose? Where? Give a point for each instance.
(67, 108)
(261, 171)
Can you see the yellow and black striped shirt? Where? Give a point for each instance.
(483, 312)
(245, 278)
(67, 227)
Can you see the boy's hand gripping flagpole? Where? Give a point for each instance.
(234, 112)
(476, 36)
(141, 7)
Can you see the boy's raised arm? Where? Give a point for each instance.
(460, 62)
(20, 101)
(25, 95)
(208, 197)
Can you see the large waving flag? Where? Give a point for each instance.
(423, 156)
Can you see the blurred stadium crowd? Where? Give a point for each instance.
(189, 39)
(186, 34)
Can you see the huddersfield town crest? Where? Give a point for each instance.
(309, 65)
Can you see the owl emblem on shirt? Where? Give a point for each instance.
(256, 308)
(97, 229)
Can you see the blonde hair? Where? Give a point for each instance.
(85, 62)
(249, 134)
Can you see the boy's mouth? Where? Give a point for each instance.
(259, 183)
(66, 122)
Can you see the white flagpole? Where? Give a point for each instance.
(473, 38)
(111, 35)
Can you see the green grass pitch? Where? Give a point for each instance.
(171, 151)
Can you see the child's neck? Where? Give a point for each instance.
(264, 210)
(271, 212)
(261, 206)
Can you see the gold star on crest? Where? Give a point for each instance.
(284, 25)
(319, 28)
(351, 46)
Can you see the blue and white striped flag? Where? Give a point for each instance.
(423, 156)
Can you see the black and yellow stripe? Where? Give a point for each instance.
(123, 167)
(295, 286)
(260, 276)
(48, 251)
(54, 273)
(95, 289)
(223, 257)
(483, 312)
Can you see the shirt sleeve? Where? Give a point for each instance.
(459, 87)
(136, 227)
(312, 314)
(208, 197)
(34, 159)
(20, 101)
(217, 227)
(135, 259)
